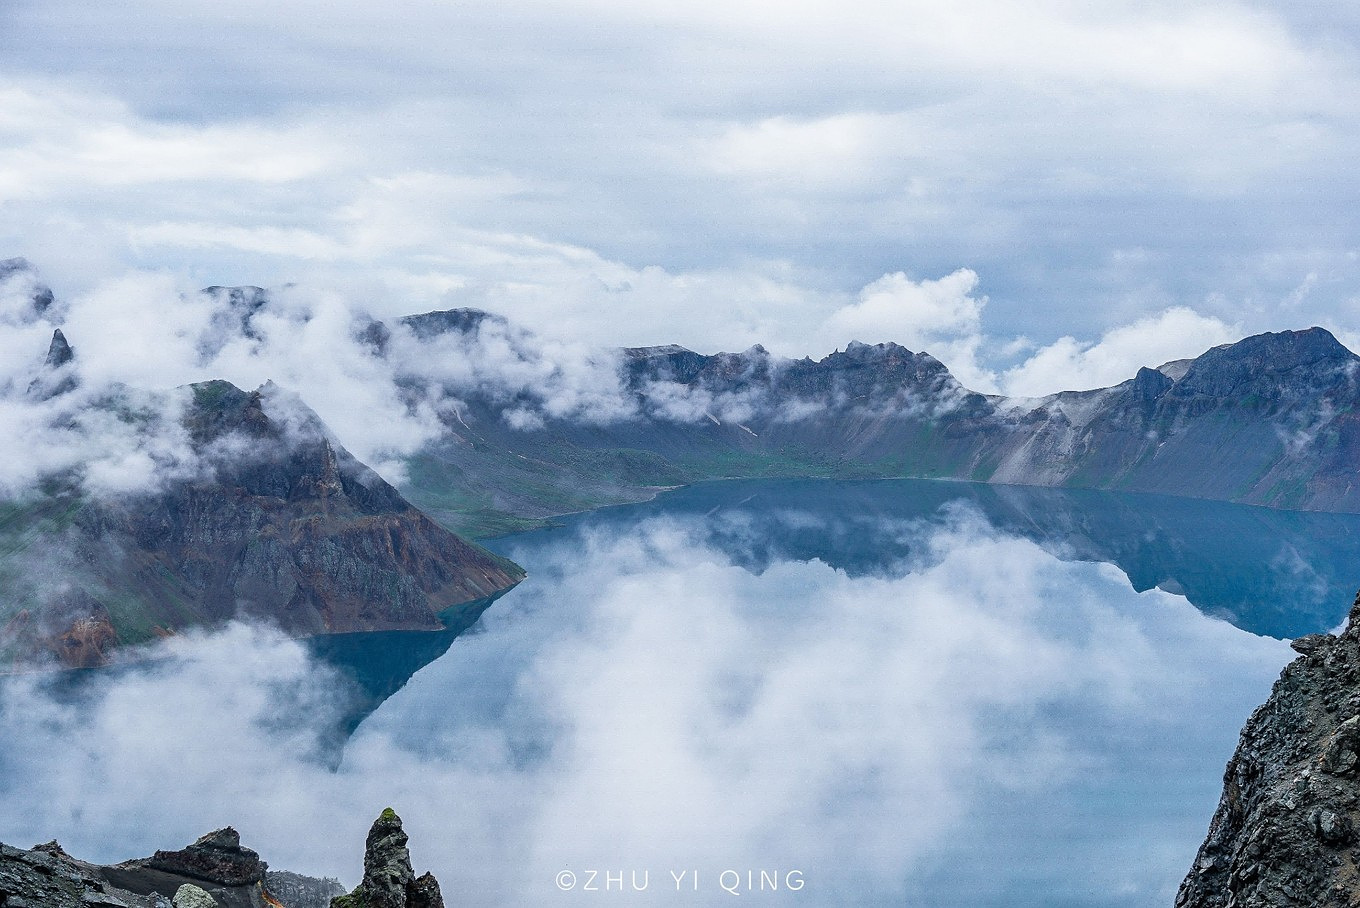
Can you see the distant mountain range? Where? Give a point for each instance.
(1270, 420)
(277, 520)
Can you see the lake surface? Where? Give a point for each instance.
(1279, 573)
(791, 692)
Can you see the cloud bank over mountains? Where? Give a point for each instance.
(387, 387)
(715, 175)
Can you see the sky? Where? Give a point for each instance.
(1045, 194)
(980, 724)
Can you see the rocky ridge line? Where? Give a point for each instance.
(213, 872)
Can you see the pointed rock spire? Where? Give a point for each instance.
(59, 352)
(55, 379)
(389, 881)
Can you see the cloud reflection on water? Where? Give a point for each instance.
(985, 724)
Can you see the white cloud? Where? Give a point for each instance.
(911, 313)
(1071, 365)
(849, 142)
(646, 704)
(941, 317)
(60, 141)
(840, 150)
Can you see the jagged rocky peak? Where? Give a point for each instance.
(1282, 359)
(1287, 828)
(876, 370)
(59, 352)
(57, 376)
(276, 521)
(389, 881)
(888, 358)
(754, 364)
(1150, 384)
(862, 352)
(292, 454)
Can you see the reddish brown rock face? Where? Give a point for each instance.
(281, 525)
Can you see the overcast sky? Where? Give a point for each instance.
(1045, 193)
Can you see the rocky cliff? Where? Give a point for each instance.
(266, 517)
(1286, 829)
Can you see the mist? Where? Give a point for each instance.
(644, 703)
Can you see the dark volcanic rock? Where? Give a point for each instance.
(47, 877)
(59, 352)
(57, 377)
(216, 857)
(223, 872)
(216, 865)
(389, 881)
(1284, 833)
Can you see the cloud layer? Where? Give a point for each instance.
(716, 175)
(644, 703)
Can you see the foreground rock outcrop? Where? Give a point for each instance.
(389, 881)
(1287, 828)
(214, 872)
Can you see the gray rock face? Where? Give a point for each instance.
(59, 352)
(21, 271)
(214, 872)
(389, 881)
(1284, 833)
(47, 877)
(57, 376)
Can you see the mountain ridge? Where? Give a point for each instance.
(1269, 420)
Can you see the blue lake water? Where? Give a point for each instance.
(792, 692)
(1080, 741)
